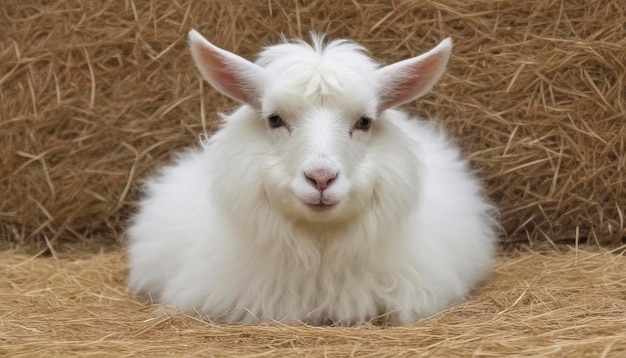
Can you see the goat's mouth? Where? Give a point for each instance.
(320, 202)
(321, 206)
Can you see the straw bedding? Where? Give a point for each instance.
(569, 302)
(94, 95)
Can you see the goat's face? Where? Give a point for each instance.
(321, 111)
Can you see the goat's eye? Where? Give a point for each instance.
(364, 123)
(275, 121)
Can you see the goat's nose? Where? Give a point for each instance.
(320, 178)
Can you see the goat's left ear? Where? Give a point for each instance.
(410, 79)
(228, 73)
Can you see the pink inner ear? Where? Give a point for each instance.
(225, 77)
(419, 78)
(413, 82)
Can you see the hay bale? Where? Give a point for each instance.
(567, 303)
(94, 95)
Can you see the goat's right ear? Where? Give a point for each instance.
(230, 74)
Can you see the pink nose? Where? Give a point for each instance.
(320, 178)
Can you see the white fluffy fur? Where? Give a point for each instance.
(225, 230)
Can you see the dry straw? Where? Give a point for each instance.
(568, 304)
(94, 95)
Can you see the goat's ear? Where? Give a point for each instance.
(230, 74)
(410, 79)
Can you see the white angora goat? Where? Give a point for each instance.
(317, 200)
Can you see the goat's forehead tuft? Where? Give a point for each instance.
(317, 51)
(321, 68)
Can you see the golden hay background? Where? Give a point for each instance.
(566, 303)
(94, 95)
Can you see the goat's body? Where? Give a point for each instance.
(406, 257)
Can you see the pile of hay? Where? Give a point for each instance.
(94, 95)
(568, 303)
